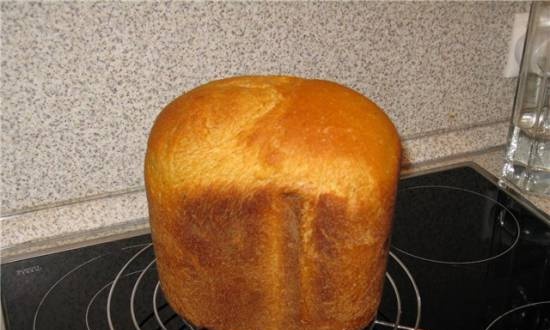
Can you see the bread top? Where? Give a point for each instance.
(314, 136)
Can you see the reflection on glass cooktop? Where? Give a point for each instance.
(465, 255)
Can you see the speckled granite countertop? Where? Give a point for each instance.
(106, 217)
(82, 81)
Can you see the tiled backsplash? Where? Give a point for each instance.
(82, 82)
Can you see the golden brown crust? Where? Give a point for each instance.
(271, 201)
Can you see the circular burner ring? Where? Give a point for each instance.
(144, 247)
(35, 318)
(522, 307)
(468, 262)
(133, 295)
(115, 281)
(94, 297)
(155, 308)
(395, 325)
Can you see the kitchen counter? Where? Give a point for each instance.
(103, 217)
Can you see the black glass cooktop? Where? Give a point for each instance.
(465, 255)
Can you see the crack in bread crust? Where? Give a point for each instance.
(249, 249)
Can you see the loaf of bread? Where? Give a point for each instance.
(271, 202)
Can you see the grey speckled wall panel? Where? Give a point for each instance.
(83, 82)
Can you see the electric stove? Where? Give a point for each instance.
(466, 254)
